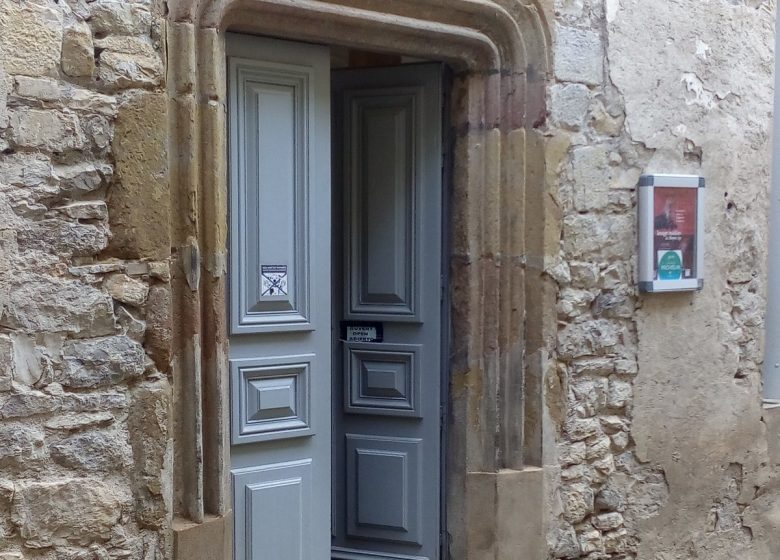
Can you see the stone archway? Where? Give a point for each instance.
(503, 226)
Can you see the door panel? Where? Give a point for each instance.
(388, 204)
(280, 298)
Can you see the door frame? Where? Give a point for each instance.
(505, 230)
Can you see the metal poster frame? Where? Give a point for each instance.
(671, 233)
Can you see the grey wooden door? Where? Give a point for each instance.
(386, 405)
(280, 308)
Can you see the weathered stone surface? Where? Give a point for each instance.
(101, 361)
(139, 202)
(126, 289)
(149, 425)
(82, 177)
(569, 104)
(120, 18)
(80, 421)
(78, 51)
(93, 451)
(64, 238)
(577, 502)
(159, 333)
(50, 130)
(579, 56)
(38, 28)
(86, 210)
(28, 403)
(6, 363)
(21, 446)
(118, 70)
(3, 97)
(45, 304)
(77, 510)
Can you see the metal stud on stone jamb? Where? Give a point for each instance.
(671, 233)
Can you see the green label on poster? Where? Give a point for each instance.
(670, 265)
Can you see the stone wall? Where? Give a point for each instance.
(656, 401)
(84, 445)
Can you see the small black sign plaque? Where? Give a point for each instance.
(362, 331)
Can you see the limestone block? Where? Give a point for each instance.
(577, 500)
(138, 46)
(126, 289)
(620, 393)
(616, 542)
(101, 361)
(139, 206)
(565, 543)
(28, 403)
(159, 338)
(65, 238)
(76, 510)
(89, 101)
(21, 446)
(25, 170)
(150, 439)
(6, 363)
(607, 521)
(78, 52)
(3, 97)
(101, 402)
(590, 394)
(92, 452)
(23, 24)
(46, 304)
(117, 17)
(584, 275)
(572, 453)
(118, 70)
(620, 441)
(579, 56)
(591, 541)
(578, 429)
(85, 210)
(82, 177)
(591, 338)
(569, 105)
(599, 236)
(131, 326)
(74, 422)
(43, 89)
(53, 131)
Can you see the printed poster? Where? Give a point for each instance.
(674, 233)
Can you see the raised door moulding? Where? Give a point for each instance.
(270, 196)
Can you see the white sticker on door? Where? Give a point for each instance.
(273, 280)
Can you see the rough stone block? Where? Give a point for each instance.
(21, 446)
(159, 338)
(93, 451)
(78, 51)
(579, 56)
(47, 304)
(139, 203)
(46, 129)
(24, 24)
(127, 290)
(3, 97)
(6, 363)
(577, 500)
(77, 510)
(118, 70)
(599, 236)
(73, 422)
(64, 238)
(149, 428)
(114, 17)
(31, 403)
(569, 105)
(86, 210)
(43, 89)
(82, 177)
(102, 361)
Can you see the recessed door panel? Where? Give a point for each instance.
(280, 298)
(273, 503)
(384, 475)
(388, 205)
(381, 186)
(270, 262)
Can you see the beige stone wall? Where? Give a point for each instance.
(656, 404)
(84, 272)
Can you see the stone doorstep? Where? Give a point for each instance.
(210, 540)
